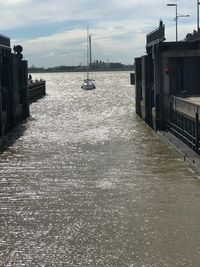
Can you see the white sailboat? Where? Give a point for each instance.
(88, 84)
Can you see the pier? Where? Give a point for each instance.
(36, 90)
(16, 93)
(167, 86)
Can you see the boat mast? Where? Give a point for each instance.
(90, 50)
(87, 52)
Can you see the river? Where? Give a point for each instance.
(85, 182)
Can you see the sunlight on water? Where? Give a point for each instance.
(84, 182)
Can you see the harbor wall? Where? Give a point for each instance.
(16, 93)
(167, 86)
(36, 90)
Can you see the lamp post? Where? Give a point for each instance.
(176, 18)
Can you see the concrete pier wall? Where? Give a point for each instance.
(14, 88)
(168, 86)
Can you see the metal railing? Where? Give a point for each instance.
(185, 129)
(156, 36)
(183, 135)
(4, 40)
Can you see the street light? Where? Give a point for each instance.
(176, 18)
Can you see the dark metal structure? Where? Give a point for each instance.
(16, 91)
(4, 40)
(13, 86)
(155, 37)
(165, 77)
(36, 90)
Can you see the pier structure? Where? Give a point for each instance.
(36, 89)
(167, 86)
(14, 105)
(17, 92)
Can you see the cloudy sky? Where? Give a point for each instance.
(53, 32)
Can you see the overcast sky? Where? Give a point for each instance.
(53, 32)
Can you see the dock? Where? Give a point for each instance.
(16, 92)
(167, 86)
(36, 90)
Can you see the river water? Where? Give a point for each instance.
(84, 182)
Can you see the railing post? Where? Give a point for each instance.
(197, 131)
(170, 110)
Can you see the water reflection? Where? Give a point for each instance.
(89, 184)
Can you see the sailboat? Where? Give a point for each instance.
(88, 84)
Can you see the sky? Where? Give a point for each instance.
(53, 32)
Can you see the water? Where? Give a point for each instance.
(84, 182)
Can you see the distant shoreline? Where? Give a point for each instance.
(57, 71)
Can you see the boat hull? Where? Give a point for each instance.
(88, 85)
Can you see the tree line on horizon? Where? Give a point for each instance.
(93, 66)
